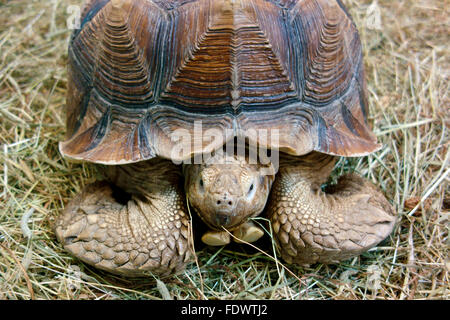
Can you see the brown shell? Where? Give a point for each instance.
(140, 69)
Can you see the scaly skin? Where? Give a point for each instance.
(148, 233)
(314, 226)
(226, 194)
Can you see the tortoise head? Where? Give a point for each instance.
(226, 192)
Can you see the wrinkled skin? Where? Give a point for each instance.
(149, 229)
(225, 193)
(301, 76)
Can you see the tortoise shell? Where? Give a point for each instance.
(141, 69)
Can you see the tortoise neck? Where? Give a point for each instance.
(144, 178)
(314, 168)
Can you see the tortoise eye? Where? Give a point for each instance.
(251, 191)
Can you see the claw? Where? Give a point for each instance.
(216, 238)
(123, 239)
(248, 232)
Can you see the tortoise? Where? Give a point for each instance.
(158, 90)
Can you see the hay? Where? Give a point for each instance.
(407, 62)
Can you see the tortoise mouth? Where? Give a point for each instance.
(229, 227)
(221, 219)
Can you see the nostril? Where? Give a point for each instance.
(229, 202)
(224, 201)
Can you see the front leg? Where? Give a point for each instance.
(147, 231)
(314, 226)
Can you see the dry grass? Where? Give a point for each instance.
(407, 62)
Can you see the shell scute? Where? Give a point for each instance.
(139, 70)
